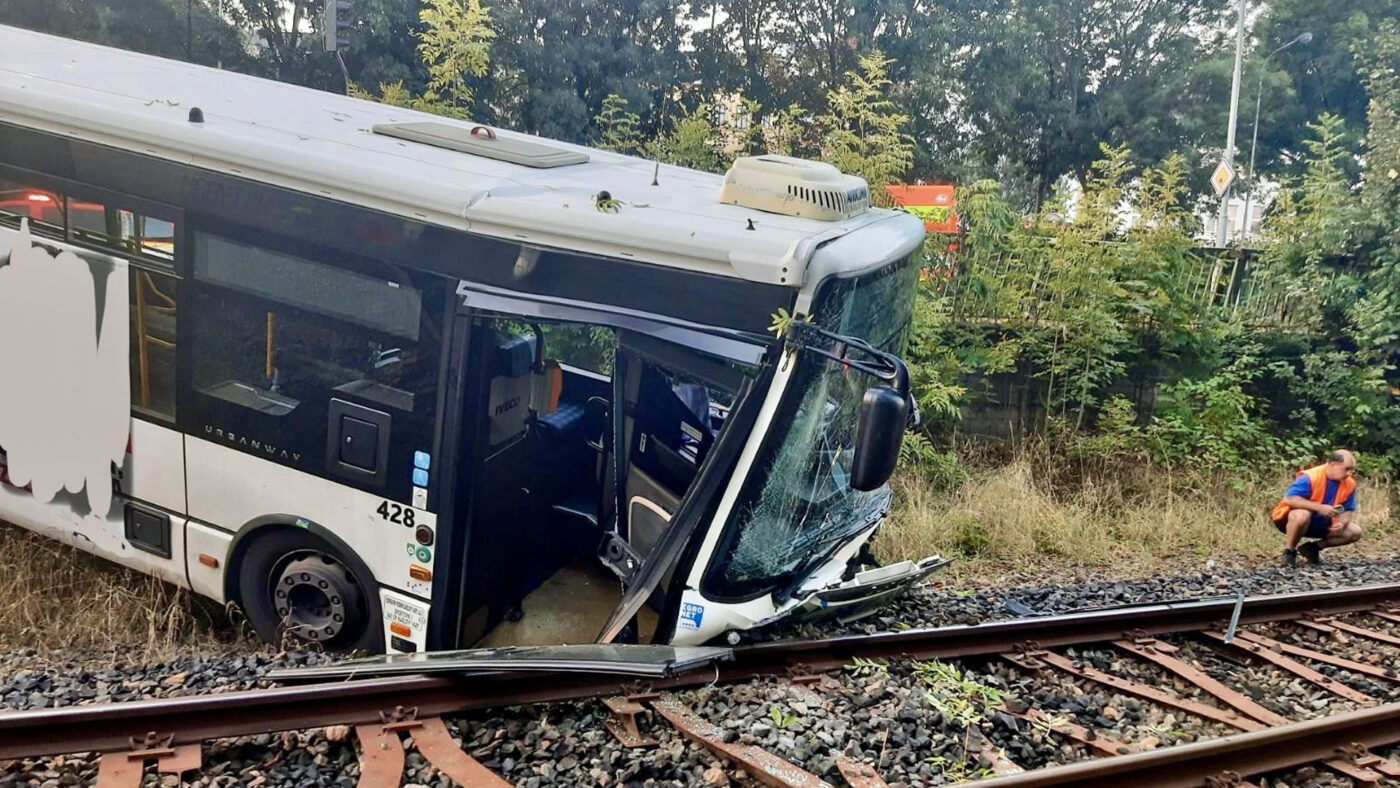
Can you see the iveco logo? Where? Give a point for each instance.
(508, 405)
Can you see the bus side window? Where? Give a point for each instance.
(153, 304)
(43, 208)
(122, 230)
(274, 331)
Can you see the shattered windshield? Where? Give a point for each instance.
(801, 505)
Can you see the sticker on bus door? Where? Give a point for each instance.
(691, 615)
(65, 406)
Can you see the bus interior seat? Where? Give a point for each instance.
(153, 317)
(549, 452)
(571, 436)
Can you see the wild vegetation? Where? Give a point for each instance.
(54, 598)
(1244, 397)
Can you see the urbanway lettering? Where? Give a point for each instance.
(251, 444)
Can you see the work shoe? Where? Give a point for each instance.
(1290, 557)
(1311, 553)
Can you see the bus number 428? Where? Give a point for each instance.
(396, 513)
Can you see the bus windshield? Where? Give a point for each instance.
(800, 506)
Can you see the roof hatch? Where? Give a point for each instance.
(482, 141)
(795, 187)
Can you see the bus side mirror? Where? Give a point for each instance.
(884, 414)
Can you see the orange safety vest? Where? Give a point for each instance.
(1317, 479)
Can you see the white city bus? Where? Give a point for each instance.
(391, 381)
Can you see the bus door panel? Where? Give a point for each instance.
(153, 471)
(669, 429)
(659, 579)
(149, 511)
(507, 551)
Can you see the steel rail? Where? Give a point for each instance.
(1073, 628)
(1244, 754)
(190, 719)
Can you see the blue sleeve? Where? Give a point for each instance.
(1350, 505)
(1301, 487)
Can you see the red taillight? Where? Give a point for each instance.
(40, 198)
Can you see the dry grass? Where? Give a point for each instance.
(1012, 519)
(56, 598)
(1008, 519)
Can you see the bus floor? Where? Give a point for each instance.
(570, 607)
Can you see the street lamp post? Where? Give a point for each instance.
(1301, 38)
(1229, 156)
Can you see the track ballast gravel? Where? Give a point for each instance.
(885, 720)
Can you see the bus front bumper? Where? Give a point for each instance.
(863, 594)
(702, 620)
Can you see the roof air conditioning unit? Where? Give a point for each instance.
(794, 187)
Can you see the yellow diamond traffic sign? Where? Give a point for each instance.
(1223, 176)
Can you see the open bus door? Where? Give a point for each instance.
(583, 434)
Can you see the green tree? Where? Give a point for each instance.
(1040, 85)
(865, 130)
(1314, 223)
(192, 31)
(292, 47)
(1084, 292)
(1326, 257)
(554, 63)
(1324, 76)
(383, 50)
(788, 131)
(455, 44)
(693, 142)
(1378, 314)
(617, 126)
(737, 40)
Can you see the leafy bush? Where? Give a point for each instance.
(1068, 301)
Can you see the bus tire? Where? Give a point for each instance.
(295, 585)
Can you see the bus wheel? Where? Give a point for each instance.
(296, 585)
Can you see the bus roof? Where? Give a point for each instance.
(321, 143)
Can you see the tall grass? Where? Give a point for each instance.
(54, 597)
(1021, 515)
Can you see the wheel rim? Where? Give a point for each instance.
(316, 597)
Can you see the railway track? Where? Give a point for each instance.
(1327, 640)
